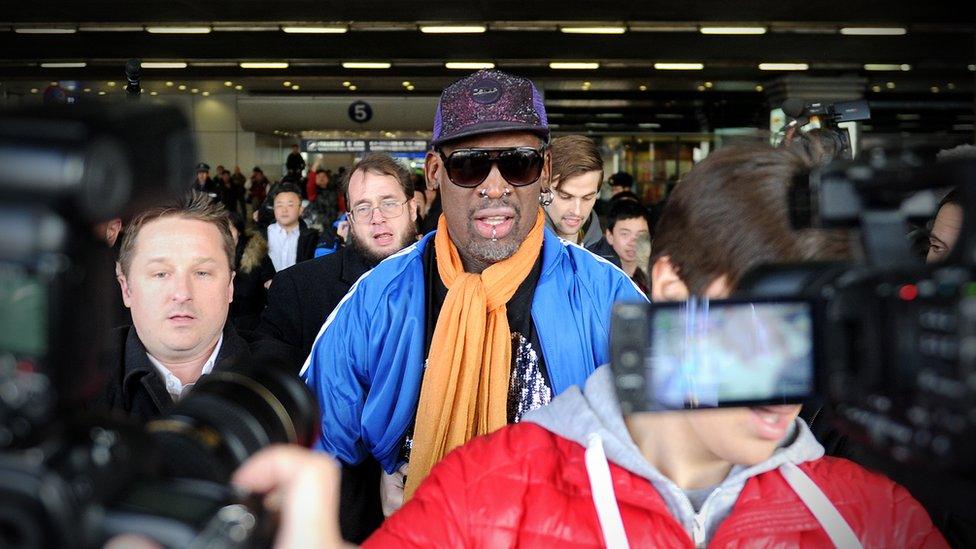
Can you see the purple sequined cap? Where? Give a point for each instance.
(489, 101)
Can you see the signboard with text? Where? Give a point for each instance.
(364, 145)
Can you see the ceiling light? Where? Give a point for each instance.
(759, 87)
(934, 89)
(649, 125)
(194, 90)
(205, 94)
(873, 31)
(352, 88)
(87, 90)
(679, 66)
(405, 83)
(163, 65)
(101, 93)
(178, 30)
(783, 66)
(296, 87)
(709, 84)
(286, 83)
(228, 83)
(890, 85)
(950, 86)
(887, 67)
(34, 90)
(594, 30)
(238, 87)
(469, 65)
(642, 87)
(110, 28)
(111, 84)
(45, 30)
(264, 65)
(560, 65)
(876, 88)
(247, 28)
(78, 65)
(153, 93)
(733, 30)
(701, 88)
(181, 87)
(410, 87)
(333, 29)
(54, 83)
(452, 29)
(169, 83)
(346, 83)
(662, 28)
(972, 68)
(365, 65)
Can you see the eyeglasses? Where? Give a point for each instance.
(363, 213)
(519, 166)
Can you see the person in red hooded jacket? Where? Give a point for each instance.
(579, 472)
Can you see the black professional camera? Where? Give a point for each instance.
(881, 351)
(74, 478)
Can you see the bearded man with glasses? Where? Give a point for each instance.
(478, 323)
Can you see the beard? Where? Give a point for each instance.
(374, 256)
(485, 251)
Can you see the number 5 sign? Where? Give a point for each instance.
(360, 111)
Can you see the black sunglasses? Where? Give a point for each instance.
(519, 166)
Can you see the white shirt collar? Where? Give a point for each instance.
(174, 386)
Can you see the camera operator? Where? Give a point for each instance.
(725, 477)
(176, 271)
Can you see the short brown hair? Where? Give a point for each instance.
(730, 214)
(574, 155)
(383, 164)
(194, 206)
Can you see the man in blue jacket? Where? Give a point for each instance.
(480, 322)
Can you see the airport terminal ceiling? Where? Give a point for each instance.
(603, 66)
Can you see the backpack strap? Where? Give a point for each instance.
(839, 532)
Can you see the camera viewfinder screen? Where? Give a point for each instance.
(708, 354)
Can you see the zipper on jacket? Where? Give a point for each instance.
(698, 532)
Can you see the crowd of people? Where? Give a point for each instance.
(454, 326)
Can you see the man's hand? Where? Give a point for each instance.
(391, 489)
(305, 486)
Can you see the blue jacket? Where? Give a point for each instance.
(367, 363)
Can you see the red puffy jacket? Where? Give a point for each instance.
(524, 486)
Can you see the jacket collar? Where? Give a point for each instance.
(353, 265)
(139, 371)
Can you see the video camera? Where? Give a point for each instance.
(830, 123)
(884, 347)
(69, 476)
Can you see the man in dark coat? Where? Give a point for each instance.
(176, 272)
(380, 194)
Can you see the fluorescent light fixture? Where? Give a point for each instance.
(573, 65)
(649, 125)
(286, 83)
(886, 67)
(110, 28)
(296, 87)
(264, 65)
(783, 66)
(352, 88)
(333, 29)
(228, 83)
(77, 65)
(453, 29)
(206, 94)
(594, 30)
(178, 30)
(642, 87)
(181, 87)
(365, 65)
(405, 83)
(246, 28)
(163, 65)
(469, 65)
(154, 93)
(410, 87)
(874, 31)
(663, 28)
(101, 93)
(972, 68)
(238, 87)
(45, 30)
(34, 90)
(679, 66)
(732, 30)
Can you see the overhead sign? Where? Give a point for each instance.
(360, 111)
(334, 145)
(364, 145)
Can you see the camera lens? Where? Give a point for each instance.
(229, 416)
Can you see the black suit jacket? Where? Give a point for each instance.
(302, 296)
(134, 387)
(300, 299)
(308, 240)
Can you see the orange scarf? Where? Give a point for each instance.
(464, 393)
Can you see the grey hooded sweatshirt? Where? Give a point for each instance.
(593, 232)
(576, 414)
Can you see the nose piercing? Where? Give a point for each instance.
(484, 192)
